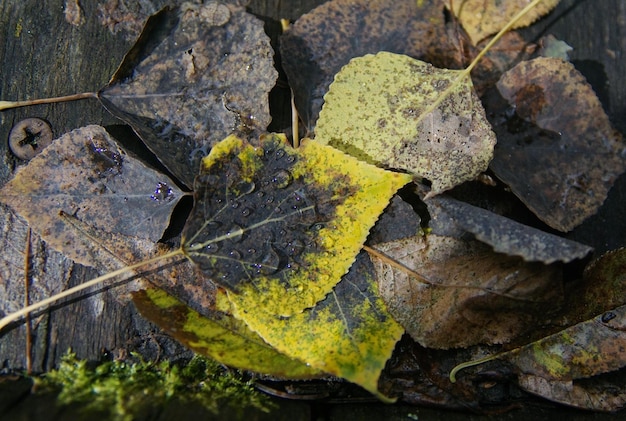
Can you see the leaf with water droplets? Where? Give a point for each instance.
(402, 113)
(197, 74)
(85, 175)
(279, 227)
(349, 334)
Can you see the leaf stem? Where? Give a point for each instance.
(27, 310)
(467, 364)
(500, 34)
(6, 105)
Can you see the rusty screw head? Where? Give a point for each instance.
(29, 137)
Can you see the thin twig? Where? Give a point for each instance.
(29, 343)
(6, 105)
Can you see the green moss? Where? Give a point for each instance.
(129, 389)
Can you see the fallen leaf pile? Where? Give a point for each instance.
(276, 280)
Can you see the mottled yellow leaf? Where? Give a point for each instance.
(398, 112)
(349, 334)
(221, 337)
(279, 227)
(481, 18)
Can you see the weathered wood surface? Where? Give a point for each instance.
(43, 54)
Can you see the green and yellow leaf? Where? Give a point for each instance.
(349, 334)
(279, 227)
(221, 337)
(398, 112)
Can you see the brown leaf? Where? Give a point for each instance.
(471, 294)
(322, 41)
(602, 393)
(503, 234)
(197, 74)
(586, 349)
(85, 176)
(558, 151)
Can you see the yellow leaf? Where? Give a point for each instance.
(349, 334)
(221, 337)
(481, 18)
(279, 227)
(403, 113)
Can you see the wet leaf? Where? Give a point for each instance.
(503, 234)
(348, 334)
(471, 294)
(557, 150)
(402, 113)
(322, 41)
(278, 227)
(219, 336)
(85, 176)
(194, 77)
(482, 18)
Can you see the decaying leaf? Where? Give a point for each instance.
(279, 227)
(325, 39)
(402, 113)
(85, 176)
(219, 336)
(194, 76)
(503, 234)
(586, 349)
(601, 393)
(473, 295)
(558, 151)
(348, 334)
(481, 18)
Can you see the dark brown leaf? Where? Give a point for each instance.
(471, 294)
(503, 234)
(557, 150)
(85, 177)
(195, 76)
(322, 41)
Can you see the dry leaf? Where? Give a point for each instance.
(503, 234)
(85, 176)
(557, 150)
(473, 295)
(194, 76)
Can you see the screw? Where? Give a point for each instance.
(29, 137)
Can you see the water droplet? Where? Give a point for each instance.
(280, 153)
(245, 187)
(235, 233)
(234, 205)
(269, 199)
(282, 179)
(212, 248)
(316, 227)
(260, 194)
(269, 263)
(234, 254)
(251, 251)
(295, 247)
(162, 193)
(246, 211)
(278, 209)
(291, 158)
